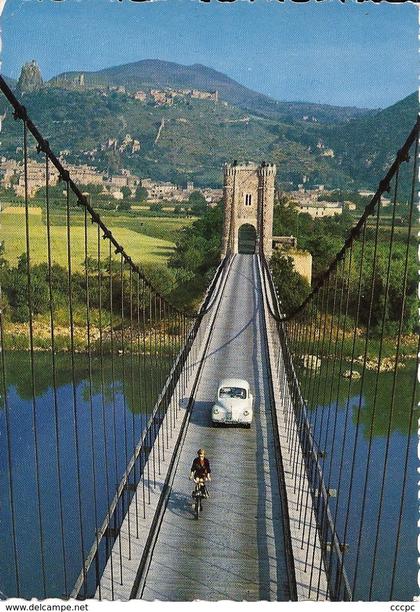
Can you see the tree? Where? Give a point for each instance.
(126, 191)
(293, 288)
(286, 218)
(4, 267)
(113, 161)
(377, 289)
(338, 225)
(16, 289)
(141, 194)
(55, 193)
(323, 249)
(124, 205)
(197, 254)
(198, 247)
(157, 207)
(197, 202)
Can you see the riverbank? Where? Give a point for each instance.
(165, 339)
(357, 348)
(161, 339)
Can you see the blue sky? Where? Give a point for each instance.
(328, 52)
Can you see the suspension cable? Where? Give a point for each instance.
(20, 112)
(54, 373)
(369, 210)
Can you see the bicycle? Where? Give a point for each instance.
(198, 494)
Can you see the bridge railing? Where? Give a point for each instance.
(91, 354)
(300, 432)
(351, 354)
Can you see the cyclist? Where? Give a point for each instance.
(200, 468)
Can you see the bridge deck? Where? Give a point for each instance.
(235, 551)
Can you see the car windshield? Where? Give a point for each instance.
(236, 392)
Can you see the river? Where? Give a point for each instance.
(93, 426)
(358, 429)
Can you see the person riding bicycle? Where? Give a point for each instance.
(200, 468)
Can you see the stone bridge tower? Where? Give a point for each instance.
(249, 202)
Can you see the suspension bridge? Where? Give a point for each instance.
(315, 501)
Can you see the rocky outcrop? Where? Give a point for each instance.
(387, 364)
(353, 374)
(311, 362)
(30, 78)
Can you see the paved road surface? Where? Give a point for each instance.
(235, 550)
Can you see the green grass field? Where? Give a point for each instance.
(158, 227)
(165, 228)
(150, 243)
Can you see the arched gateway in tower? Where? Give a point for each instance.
(248, 201)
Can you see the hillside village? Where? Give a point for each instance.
(160, 97)
(12, 178)
(187, 134)
(310, 199)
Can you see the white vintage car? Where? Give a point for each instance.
(234, 403)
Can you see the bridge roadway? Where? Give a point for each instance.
(235, 550)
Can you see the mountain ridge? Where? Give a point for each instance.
(161, 73)
(191, 139)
